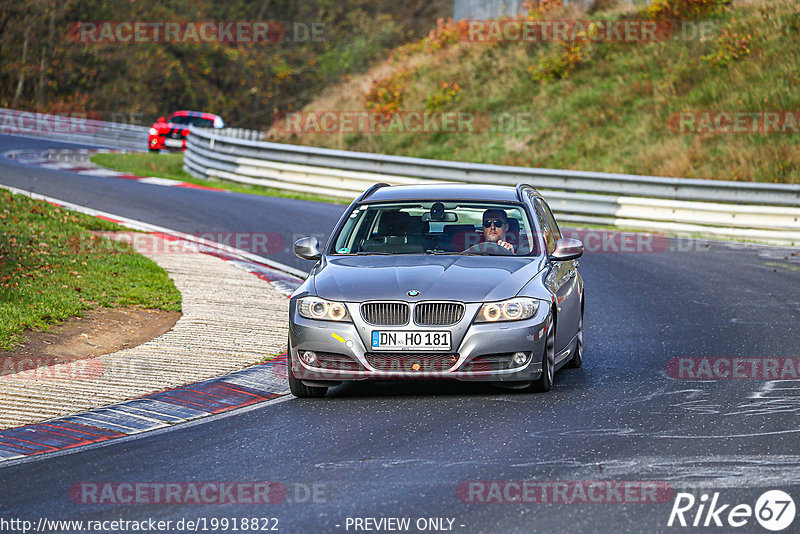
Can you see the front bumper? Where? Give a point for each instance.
(479, 352)
(158, 142)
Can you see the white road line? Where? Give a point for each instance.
(153, 180)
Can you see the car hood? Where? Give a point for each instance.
(464, 278)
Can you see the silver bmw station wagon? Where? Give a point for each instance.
(465, 282)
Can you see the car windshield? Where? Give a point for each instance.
(193, 121)
(436, 227)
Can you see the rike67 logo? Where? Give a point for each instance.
(774, 510)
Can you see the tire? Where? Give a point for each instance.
(152, 149)
(545, 380)
(577, 358)
(297, 387)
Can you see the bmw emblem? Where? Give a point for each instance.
(413, 293)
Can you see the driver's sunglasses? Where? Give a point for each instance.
(498, 223)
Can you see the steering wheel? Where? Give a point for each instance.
(488, 247)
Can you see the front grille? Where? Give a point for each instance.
(173, 133)
(438, 313)
(385, 313)
(336, 362)
(402, 362)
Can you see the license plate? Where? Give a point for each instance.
(410, 340)
(173, 142)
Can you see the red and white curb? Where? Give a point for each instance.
(149, 412)
(252, 385)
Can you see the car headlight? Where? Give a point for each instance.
(322, 310)
(153, 131)
(515, 309)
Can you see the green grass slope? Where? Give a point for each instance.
(597, 106)
(53, 267)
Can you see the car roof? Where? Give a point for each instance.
(443, 191)
(201, 114)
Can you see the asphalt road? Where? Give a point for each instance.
(383, 450)
(193, 211)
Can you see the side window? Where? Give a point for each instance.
(549, 238)
(552, 220)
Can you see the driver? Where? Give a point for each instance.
(495, 226)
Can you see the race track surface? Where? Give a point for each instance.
(391, 449)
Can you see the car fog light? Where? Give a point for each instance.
(308, 357)
(519, 359)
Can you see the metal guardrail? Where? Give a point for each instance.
(240, 133)
(762, 212)
(73, 129)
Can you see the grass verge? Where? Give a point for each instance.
(170, 166)
(53, 267)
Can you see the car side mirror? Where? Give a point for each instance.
(162, 119)
(307, 248)
(567, 249)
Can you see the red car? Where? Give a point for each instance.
(170, 133)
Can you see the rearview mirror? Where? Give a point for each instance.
(567, 249)
(307, 248)
(162, 119)
(446, 216)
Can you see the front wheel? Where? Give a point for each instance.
(545, 380)
(296, 386)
